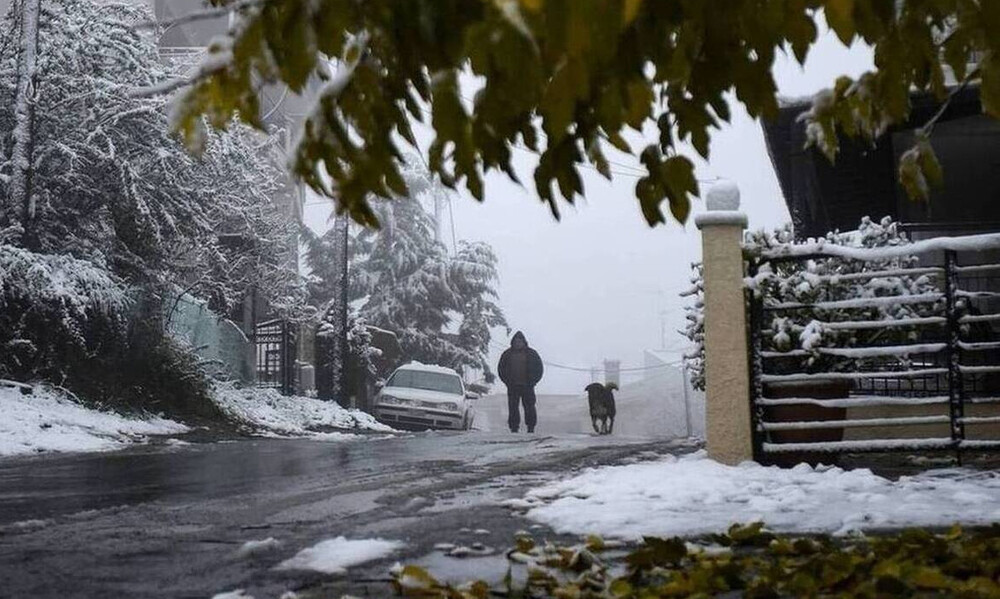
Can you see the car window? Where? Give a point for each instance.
(427, 381)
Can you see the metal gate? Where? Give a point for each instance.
(914, 367)
(274, 343)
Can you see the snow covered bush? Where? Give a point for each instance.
(819, 280)
(55, 309)
(361, 354)
(694, 327)
(72, 322)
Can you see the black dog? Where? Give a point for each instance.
(602, 406)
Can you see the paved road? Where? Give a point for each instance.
(167, 521)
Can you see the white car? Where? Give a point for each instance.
(425, 397)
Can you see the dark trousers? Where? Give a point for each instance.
(521, 394)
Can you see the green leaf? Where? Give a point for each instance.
(989, 90)
(640, 102)
(620, 588)
(595, 543)
(840, 18)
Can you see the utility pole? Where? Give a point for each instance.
(21, 196)
(438, 216)
(339, 313)
(687, 404)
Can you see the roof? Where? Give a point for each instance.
(823, 197)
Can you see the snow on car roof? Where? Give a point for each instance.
(428, 368)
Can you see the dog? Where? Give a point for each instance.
(602, 406)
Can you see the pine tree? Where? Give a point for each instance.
(474, 277)
(403, 275)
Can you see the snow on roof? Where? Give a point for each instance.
(796, 101)
(428, 368)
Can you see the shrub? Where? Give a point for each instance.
(819, 280)
(73, 323)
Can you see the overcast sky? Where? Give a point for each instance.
(600, 283)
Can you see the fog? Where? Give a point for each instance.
(600, 284)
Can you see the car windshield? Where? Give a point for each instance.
(428, 381)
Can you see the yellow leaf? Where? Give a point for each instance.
(631, 10)
(930, 578)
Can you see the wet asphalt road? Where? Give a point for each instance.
(167, 521)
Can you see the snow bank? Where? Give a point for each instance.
(258, 547)
(237, 594)
(267, 412)
(335, 556)
(693, 495)
(49, 420)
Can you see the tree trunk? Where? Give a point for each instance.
(332, 369)
(21, 196)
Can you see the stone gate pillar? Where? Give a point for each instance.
(727, 383)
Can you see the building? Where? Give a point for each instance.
(824, 196)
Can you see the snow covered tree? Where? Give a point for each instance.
(109, 183)
(403, 276)
(474, 277)
(441, 307)
(113, 192)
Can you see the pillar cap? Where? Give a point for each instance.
(723, 196)
(723, 203)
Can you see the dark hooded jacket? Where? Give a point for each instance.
(520, 366)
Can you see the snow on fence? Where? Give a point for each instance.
(889, 348)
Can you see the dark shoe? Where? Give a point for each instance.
(531, 430)
(514, 430)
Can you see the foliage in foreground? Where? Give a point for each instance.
(747, 561)
(570, 79)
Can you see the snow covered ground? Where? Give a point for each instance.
(335, 556)
(267, 412)
(49, 420)
(694, 495)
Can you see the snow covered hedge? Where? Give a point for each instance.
(827, 285)
(53, 307)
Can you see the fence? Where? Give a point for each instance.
(912, 364)
(274, 341)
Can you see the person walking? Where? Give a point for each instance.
(520, 369)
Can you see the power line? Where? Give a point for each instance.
(499, 346)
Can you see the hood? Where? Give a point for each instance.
(518, 336)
